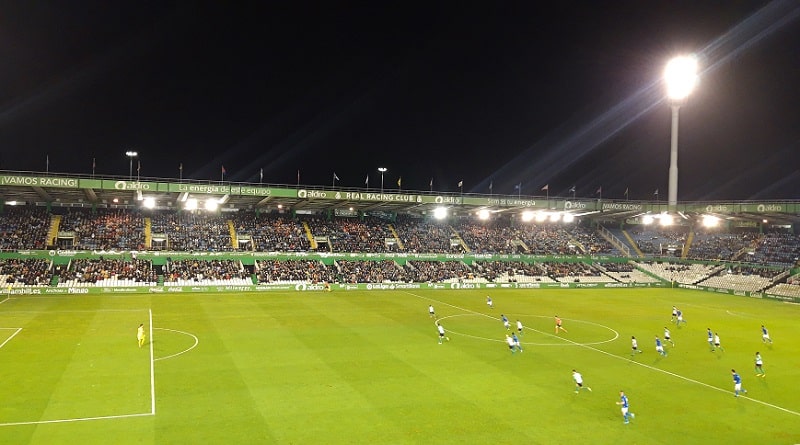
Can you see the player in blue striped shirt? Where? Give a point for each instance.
(737, 384)
(623, 402)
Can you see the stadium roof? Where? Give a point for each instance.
(124, 192)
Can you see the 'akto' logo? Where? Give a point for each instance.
(302, 193)
(574, 205)
(300, 287)
(121, 185)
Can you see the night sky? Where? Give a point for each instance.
(501, 93)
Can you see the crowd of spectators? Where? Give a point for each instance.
(350, 234)
(96, 270)
(506, 270)
(104, 229)
(275, 271)
(204, 270)
(563, 270)
(720, 246)
(351, 271)
(422, 235)
(272, 232)
(776, 248)
(193, 231)
(437, 271)
(28, 272)
(24, 228)
(660, 241)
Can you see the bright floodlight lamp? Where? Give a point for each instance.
(211, 204)
(710, 221)
(554, 217)
(190, 204)
(149, 203)
(131, 154)
(483, 214)
(647, 220)
(680, 76)
(666, 219)
(540, 217)
(528, 216)
(568, 218)
(382, 170)
(440, 213)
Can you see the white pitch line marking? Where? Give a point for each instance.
(152, 368)
(12, 336)
(196, 342)
(76, 419)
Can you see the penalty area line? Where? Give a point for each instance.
(76, 419)
(18, 330)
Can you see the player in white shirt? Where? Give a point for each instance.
(519, 327)
(431, 311)
(578, 378)
(442, 335)
(668, 337)
(760, 366)
(634, 346)
(717, 342)
(511, 346)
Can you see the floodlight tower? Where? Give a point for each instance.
(131, 155)
(681, 77)
(382, 170)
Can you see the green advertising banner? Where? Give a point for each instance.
(561, 204)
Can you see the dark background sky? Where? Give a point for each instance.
(559, 93)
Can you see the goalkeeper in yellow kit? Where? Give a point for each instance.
(140, 335)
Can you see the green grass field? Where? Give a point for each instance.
(366, 367)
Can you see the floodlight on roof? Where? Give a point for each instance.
(568, 218)
(440, 213)
(681, 77)
(190, 204)
(149, 202)
(483, 214)
(211, 204)
(710, 221)
(666, 219)
(527, 216)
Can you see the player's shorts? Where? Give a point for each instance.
(580, 384)
(737, 387)
(634, 347)
(659, 349)
(765, 336)
(716, 344)
(667, 337)
(624, 410)
(441, 334)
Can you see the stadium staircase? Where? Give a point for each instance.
(52, 234)
(148, 232)
(578, 244)
(616, 242)
(633, 244)
(234, 238)
(461, 240)
(519, 242)
(310, 236)
(687, 245)
(396, 237)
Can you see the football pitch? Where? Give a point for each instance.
(367, 367)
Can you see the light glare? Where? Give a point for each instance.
(681, 77)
